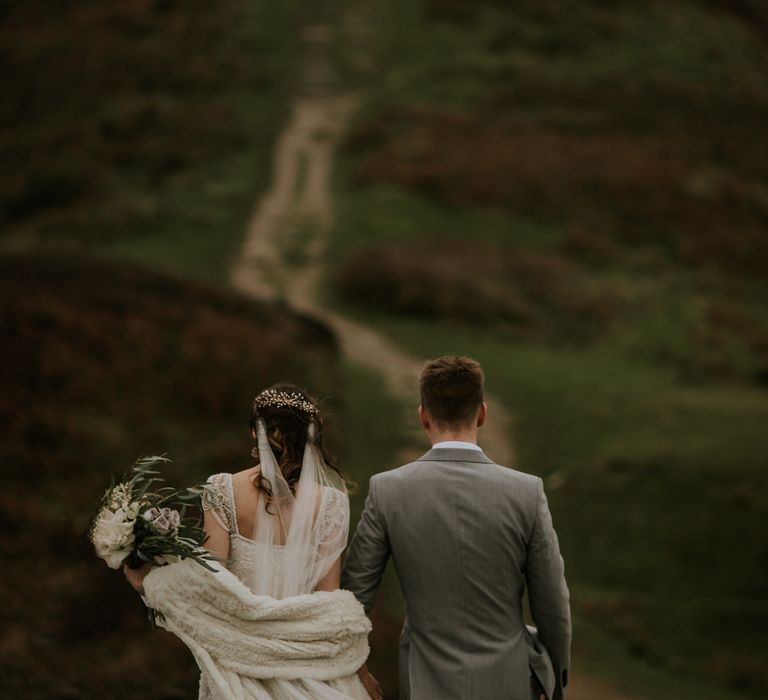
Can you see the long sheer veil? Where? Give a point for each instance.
(301, 534)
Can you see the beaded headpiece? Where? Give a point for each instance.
(284, 399)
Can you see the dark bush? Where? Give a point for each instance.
(55, 185)
(480, 283)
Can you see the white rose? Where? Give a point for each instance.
(113, 536)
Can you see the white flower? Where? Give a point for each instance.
(132, 510)
(113, 535)
(119, 496)
(164, 521)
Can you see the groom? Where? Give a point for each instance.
(467, 537)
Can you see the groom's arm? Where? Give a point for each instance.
(548, 591)
(368, 553)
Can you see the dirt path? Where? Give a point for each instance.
(293, 220)
(283, 258)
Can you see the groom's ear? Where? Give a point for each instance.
(423, 417)
(482, 414)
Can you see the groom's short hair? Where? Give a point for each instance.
(452, 389)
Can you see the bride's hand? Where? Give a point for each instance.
(136, 576)
(370, 684)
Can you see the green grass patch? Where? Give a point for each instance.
(392, 215)
(441, 53)
(598, 654)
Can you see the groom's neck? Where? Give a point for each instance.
(469, 435)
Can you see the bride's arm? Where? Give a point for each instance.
(136, 576)
(330, 582)
(218, 538)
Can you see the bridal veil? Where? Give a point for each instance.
(302, 532)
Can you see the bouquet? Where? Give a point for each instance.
(140, 521)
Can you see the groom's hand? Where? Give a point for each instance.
(370, 684)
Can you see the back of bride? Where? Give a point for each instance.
(282, 525)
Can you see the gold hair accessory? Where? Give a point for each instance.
(283, 399)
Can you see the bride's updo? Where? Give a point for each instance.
(288, 412)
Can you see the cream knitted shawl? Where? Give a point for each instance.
(238, 638)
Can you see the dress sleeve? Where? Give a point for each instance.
(217, 499)
(333, 528)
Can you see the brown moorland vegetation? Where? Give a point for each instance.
(93, 104)
(610, 142)
(753, 12)
(639, 188)
(480, 284)
(140, 128)
(103, 362)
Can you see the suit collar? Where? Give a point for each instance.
(451, 454)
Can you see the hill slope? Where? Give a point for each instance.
(103, 362)
(572, 193)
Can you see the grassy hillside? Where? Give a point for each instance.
(103, 363)
(141, 129)
(573, 194)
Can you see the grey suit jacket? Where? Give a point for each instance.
(466, 536)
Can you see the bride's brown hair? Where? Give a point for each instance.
(287, 428)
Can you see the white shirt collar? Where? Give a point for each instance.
(456, 445)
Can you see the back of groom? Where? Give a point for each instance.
(467, 536)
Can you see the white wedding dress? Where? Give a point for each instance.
(291, 549)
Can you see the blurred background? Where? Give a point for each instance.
(573, 192)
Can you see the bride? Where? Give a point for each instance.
(281, 527)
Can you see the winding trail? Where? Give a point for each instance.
(294, 218)
(283, 258)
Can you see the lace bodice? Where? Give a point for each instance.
(262, 567)
(279, 571)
